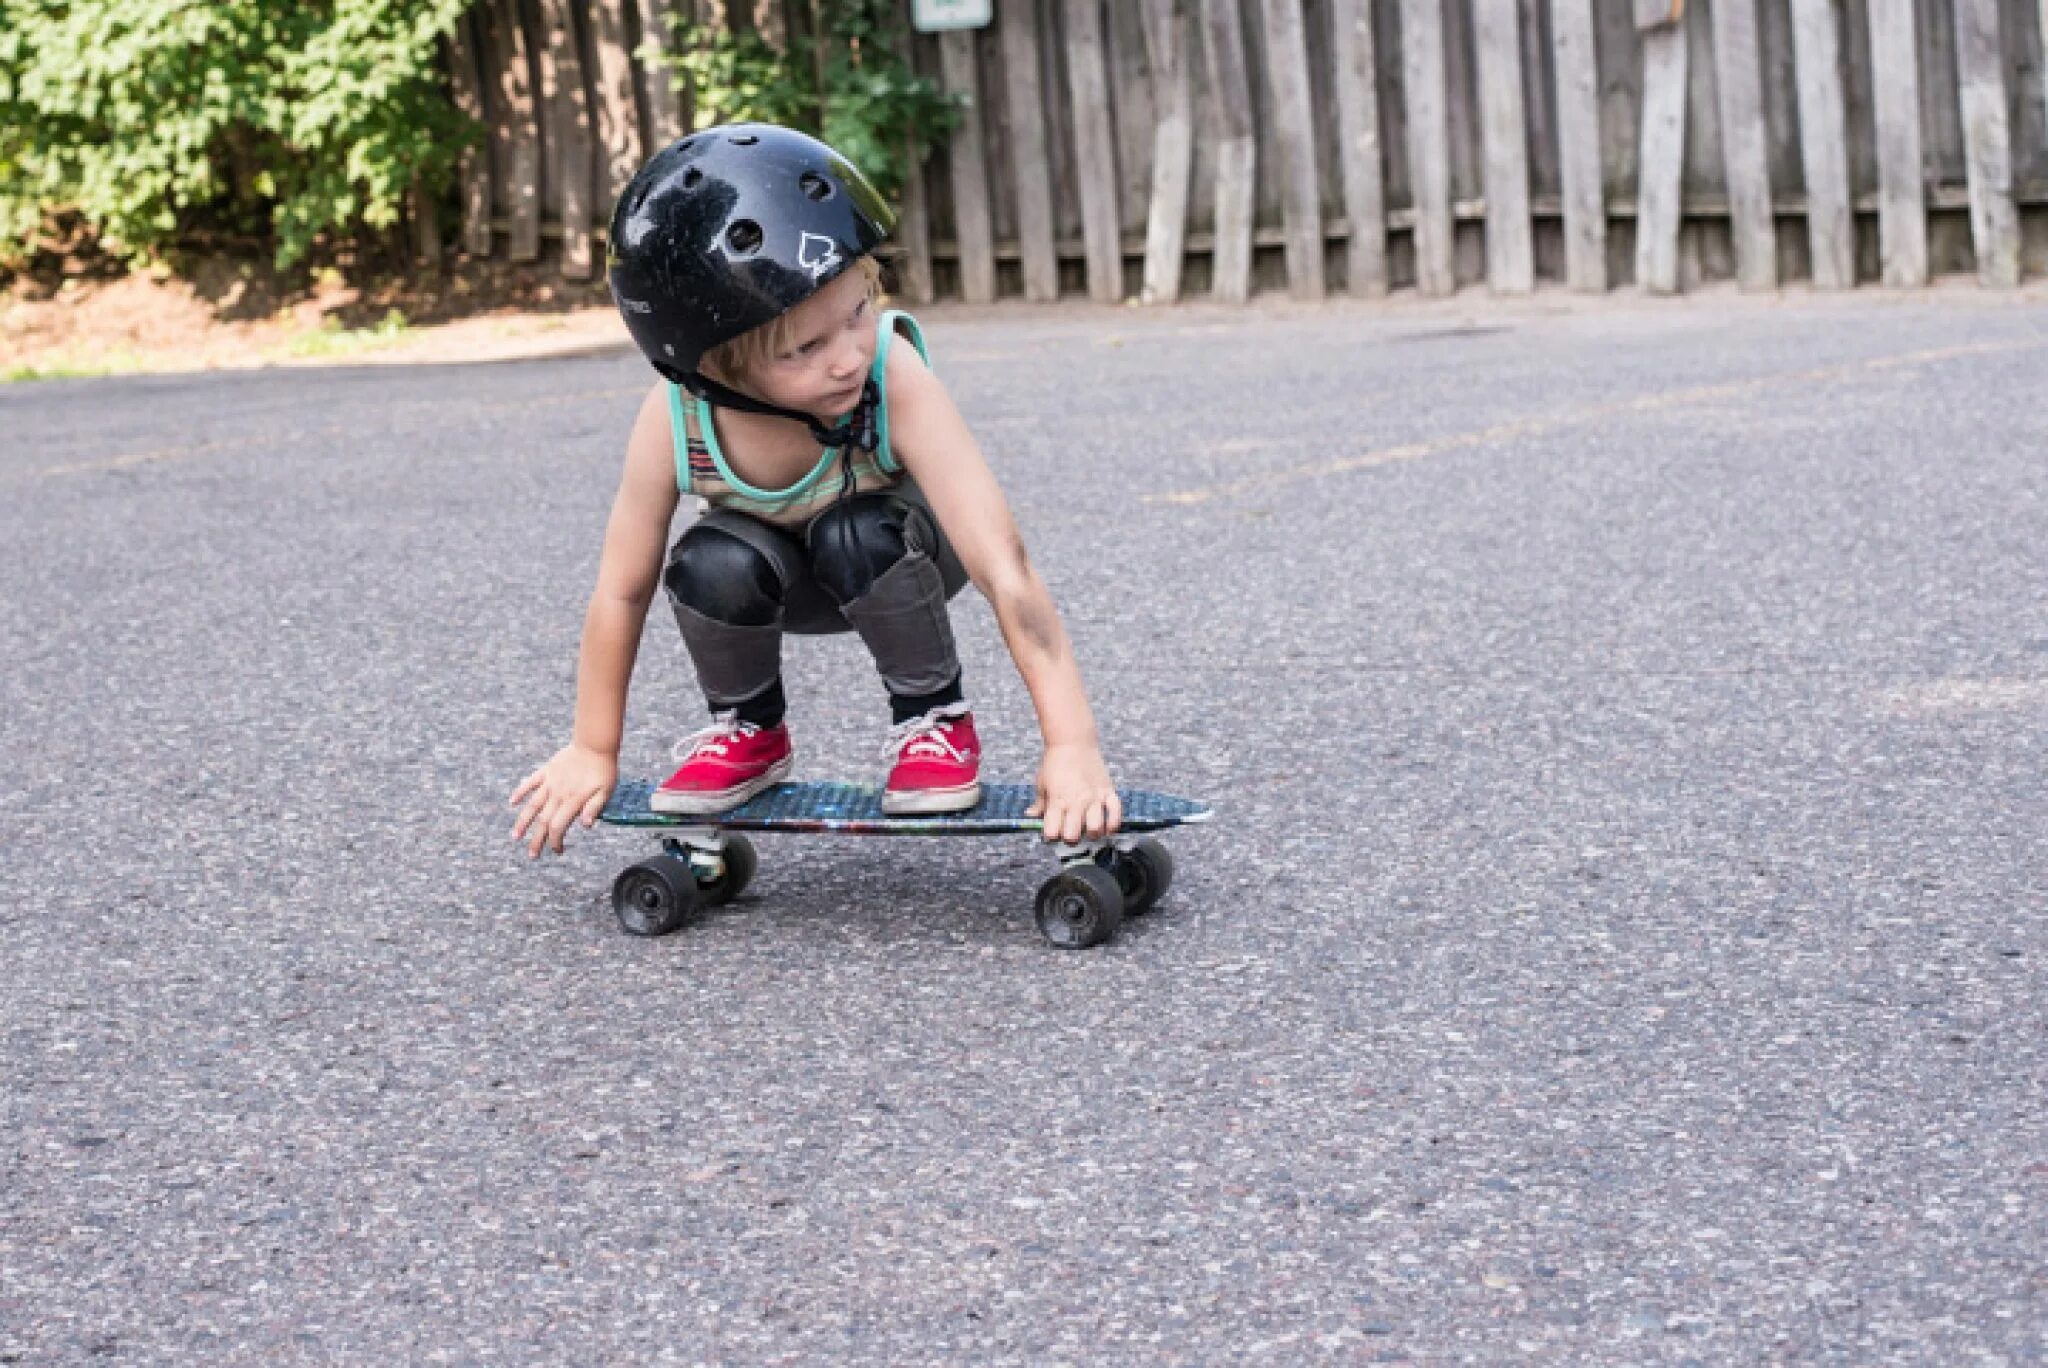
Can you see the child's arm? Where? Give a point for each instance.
(930, 437)
(574, 784)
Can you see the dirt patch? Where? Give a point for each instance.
(224, 312)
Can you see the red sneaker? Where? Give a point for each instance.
(937, 763)
(724, 765)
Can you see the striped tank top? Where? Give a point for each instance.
(701, 469)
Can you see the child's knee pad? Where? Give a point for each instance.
(723, 578)
(858, 540)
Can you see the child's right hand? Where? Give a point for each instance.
(570, 787)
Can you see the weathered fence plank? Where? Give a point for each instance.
(618, 120)
(426, 227)
(1578, 135)
(665, 122)
(491, 62)
(1133, 110)
(1504, 134)
(474, 170)
(1745, 153)
(1173, 149)
(1030, 164)
(1660, 165)
(1094, 150)
(516, 108)
(973, 228)
(1293, 112)
(1895, 93)
(536, 35)
(914, 219)
(1358, 133)
(1237, 152)
(1429, 143)
(1994, 217)
(1824, 142)
(567, 109)
(914, 235)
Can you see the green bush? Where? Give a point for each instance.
(153, 118)
(851, 85)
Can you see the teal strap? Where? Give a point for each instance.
(891, 320)
(681, 434)
(773, 497)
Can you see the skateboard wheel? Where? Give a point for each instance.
(1080, 906)
(655, 896)
(1144, 872)
(739, 863)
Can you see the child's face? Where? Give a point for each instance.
(832, 344)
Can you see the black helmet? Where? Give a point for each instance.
(729, 228)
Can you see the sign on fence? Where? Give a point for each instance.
(936, 16)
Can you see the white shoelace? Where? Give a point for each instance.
(921, 735)
(714, 740)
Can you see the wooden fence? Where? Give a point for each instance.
(1174, 148)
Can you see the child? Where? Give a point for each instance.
(844, 492)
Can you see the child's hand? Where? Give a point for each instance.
(1076, 796)
(572, 786)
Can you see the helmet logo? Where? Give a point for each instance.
(815, 253)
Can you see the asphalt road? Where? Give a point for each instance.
(1622, 939)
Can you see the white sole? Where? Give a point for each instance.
(931, 802)
(704, 804)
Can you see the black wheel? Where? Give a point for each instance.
(1144, 873)
(740, 862)
(655, 896)
(1080, 906)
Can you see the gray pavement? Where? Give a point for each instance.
(1623, 939)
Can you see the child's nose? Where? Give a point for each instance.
(851, 360)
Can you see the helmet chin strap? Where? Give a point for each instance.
(859, 432)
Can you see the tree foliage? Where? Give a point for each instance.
(850, 83)
(150, 118)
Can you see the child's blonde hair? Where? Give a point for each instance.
(735, 358)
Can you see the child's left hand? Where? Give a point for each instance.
(1076, 795)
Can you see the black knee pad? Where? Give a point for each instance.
(720, 576)
(856, 541)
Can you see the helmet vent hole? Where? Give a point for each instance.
(816, 186)
(744, 237)
(691, 177)
(744, 139)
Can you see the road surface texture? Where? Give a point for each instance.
(1623, 937)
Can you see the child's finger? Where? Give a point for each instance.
(592, 808)
(526, 786)
(525, 820)
(1097, 825)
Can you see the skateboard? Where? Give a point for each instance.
(706, 859)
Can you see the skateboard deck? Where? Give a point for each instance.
(852, 810)
(707, 861)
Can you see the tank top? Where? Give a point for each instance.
(701, 469)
